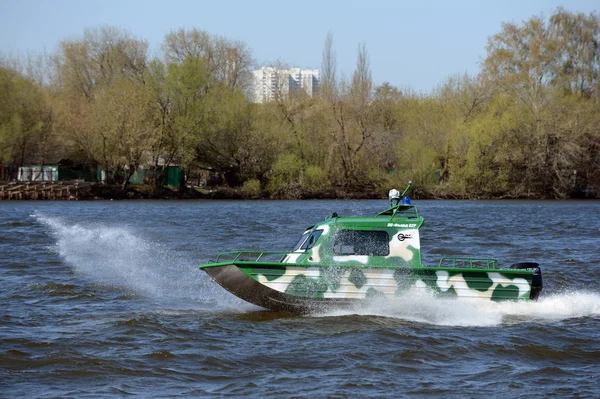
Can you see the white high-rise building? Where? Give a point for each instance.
(310, 81)
(269, 82)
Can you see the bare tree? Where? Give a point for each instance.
(328, 68)
(350, 111)
(101, 56)
(228, 62)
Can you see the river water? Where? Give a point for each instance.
(104, 299)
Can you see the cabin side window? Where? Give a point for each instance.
(359, 242)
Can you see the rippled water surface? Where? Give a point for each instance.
(104, 299)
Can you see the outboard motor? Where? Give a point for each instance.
(536, 282)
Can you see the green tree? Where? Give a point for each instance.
(543, 64)
(122, 120)
(25, 120)
(87, 71)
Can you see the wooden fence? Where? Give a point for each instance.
(42, 190)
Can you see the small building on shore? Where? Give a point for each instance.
(38, 173)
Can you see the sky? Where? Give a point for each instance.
(411, 44)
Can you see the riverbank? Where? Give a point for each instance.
(99, 192)
(219, 192)
(226, 192)
(90, 191)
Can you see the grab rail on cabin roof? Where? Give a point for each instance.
(410, 211)
(400, 210)
(485, 263)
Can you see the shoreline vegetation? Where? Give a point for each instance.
(102, 109)
(229, 193)
(87, 192)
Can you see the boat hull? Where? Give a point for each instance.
(298, 288)
(240, 284)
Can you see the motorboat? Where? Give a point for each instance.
(346, 261)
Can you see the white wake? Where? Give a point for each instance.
(423, 307)
(121, 257)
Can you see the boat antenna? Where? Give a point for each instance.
(407, 188)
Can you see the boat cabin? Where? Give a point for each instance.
(391, 238)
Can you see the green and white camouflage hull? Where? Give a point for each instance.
(298, 288)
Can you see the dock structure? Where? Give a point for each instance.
(64, 190)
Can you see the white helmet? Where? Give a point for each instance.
(394, 194)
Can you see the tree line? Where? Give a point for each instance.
(526, 126)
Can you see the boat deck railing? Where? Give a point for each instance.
(279, 256)
(250, 256)
(471, 263)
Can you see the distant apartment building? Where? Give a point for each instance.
(269, 82)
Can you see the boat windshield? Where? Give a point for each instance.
(310, 242)
(307, 241)
(301, 241)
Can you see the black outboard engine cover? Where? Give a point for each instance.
(536, 283)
